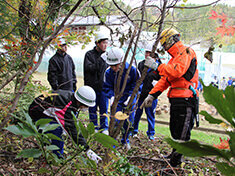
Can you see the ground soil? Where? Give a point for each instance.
(145, 154)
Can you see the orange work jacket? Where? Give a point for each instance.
(172, 73)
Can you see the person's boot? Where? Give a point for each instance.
(175, 159)
(151, 138)
(170, 155)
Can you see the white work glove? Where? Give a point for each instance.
(148, 101)
(111, 100)
(104, 56)
(151, 63)
(154, 82)
(127, 101)
(93, 156)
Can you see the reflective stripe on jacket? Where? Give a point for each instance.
(172, 73)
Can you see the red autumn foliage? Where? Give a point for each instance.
(6, 47)
(223, 29)
(214, 15)
(224, 144)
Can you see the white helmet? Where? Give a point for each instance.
(86, 95)
(62, 41)
(100, 36)
(114, 56)
(149, 47)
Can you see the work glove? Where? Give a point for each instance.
(93, 156)
(154, 82)
(151, 63)
(111, 100)
(147, 102)
(127, 101)
(104, 56)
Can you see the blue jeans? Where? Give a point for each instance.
(150, 117)
(102, 103)
(60, 144)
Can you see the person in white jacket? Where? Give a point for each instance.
(223, 84)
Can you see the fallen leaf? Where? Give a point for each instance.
(121, 116)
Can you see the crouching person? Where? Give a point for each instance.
(59, 108)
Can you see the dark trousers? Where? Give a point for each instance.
(181, 123)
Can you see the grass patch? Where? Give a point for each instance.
(205, 137)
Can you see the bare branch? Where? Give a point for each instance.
(123, 11)
(194, 7)
(30, 72)
(101, 21)
(10, 79)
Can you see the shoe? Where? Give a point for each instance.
(151, 138)
(105, 132)
(167, 156)
(175, 159)
(127, 146)
(175, 163)
(135, 136)
(170, 155)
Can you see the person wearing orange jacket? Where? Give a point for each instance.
(181, 75)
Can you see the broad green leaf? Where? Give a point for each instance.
(35, 153)
(91, 128)
(232, 142)
(19, 131)
(76, 123)
(230, 97)
(52, 136)
(214, 96)
(14, 129)
(26, 130)
(29, 121)
(225, 169)
(83, 130)
(52, 147)
(106, 140)
(50, 127)
(211, 119)
(43, 122)
(194, 149)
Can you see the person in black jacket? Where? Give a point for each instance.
(94, 68)
(59, 107)
(61, 71)
(148, 83)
